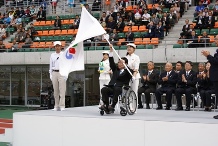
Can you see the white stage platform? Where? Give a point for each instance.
(84, 126)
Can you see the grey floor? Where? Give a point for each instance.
(142, 114)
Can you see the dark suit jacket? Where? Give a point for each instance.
(120, 27)
(153, 79)
(172, 79)
(57, 23)
(42, 13)
(130, 37)
(191, 79)
(184, 29)
(111, 25)
(194, 40)
(212, 20)
(202, 20)
(113, 37)
(119, 79)
(214, 66)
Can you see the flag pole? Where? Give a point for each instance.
(118, 55)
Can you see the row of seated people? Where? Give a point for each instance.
(202, 7)
(195, 41)
(178, 82)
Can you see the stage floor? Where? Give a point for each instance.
(142, 114)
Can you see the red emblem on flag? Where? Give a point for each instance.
(72, 50)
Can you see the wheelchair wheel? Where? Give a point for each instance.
(102, 112)
(131, 102)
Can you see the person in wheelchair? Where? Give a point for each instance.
(120, 77)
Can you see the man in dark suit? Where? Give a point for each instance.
(159, 33)
(187, 80)
(213, 72)
(167, 80)
(149, 83)
(193, 40)
(179, 66)
(151, 30)
(204, 40)
(41, 15)
(209, 21)
(57, 23)
(185, 28)
(120, 25)
(129, 35)
(120, 77)
(166, 22)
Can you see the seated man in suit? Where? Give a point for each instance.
(204, 40)
(167, 80)
(186, 85)
(120, 77)
(193, 40)
(149, 82)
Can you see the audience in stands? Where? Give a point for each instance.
(151, 30)
(204, 40)
(129, 36)
(159, 32)
(2, 31)
(113, 37)
(146, 18)
(120, 25)
(130, 19)
(102, 19)
(199, 9)
(57, 23)
(7, 20)
(166, 23)
(209, 21)
(41, 15)
(54, 5)
(111, 24)
(2, 46)
(14, 47)
(193, 40)
(215, 9)
(76, 22)
(28, 41)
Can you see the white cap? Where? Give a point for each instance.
(105, 52)
(132, 45)
(57, 43)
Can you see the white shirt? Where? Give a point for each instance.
(54, 62)
(104, 67)
(168, 73)
(147, 16)
(133, 63)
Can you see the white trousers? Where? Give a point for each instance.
(59, 85)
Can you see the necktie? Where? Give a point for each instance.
(121, 72)
(187, 73)
(168, 73)
(149, 73)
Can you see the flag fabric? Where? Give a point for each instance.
(89, 27)
(72, 59)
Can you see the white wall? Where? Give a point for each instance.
(160, 55)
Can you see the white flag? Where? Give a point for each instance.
(72, 59)
(89, 27)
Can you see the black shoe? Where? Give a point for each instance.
(167, 108)
(111, 109)
(179, 109)
(147, 107)
(159, 108)
(104, 108)
(140, 106)
(187, 109)
(215, 117)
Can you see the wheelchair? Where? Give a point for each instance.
(127, 102)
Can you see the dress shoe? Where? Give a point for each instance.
(215, 117)
(104, 108)
(167, 108)
(159, 108)
(111, 109)
(140, 106)
(55, 109)
(148, 107)
(187, 109)
(179, 109)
